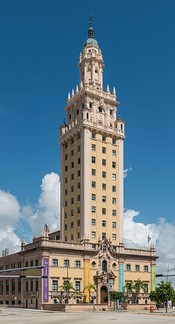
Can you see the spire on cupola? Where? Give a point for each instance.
(91, 34)
(91, 30)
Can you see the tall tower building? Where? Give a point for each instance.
(91, 142)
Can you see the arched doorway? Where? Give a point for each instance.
(103, 293)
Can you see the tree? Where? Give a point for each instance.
(134, 288)
(116, 295)
(89, 289)
(163, 293)
(66, 287)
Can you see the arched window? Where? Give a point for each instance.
(104, 266)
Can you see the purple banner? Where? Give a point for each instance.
(46, 280)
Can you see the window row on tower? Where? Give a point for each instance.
(103, 235)
(103, 199)
(103, 223)
(103, 211)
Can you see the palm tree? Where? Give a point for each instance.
(129, 287)
(66, 287)
(89, 288)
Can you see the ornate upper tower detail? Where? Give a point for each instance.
(91, 62)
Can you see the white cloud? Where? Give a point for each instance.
(48, 205)
(9, 216)
(22, 222)
(19, 223)
(125, 172)
(162, 235)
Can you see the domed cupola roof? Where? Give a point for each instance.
(91, 41)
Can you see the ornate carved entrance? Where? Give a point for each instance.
(103, 293)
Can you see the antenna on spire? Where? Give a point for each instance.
(91, 20)
(91, 30)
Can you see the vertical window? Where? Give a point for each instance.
(114, 141)
(93, 147)
(93, 159)
(103, 223)
(93, 221)
(103, 186)
(77, 285)
(137, 267)
(77, 264)
(128, 267)
(113, 236)
(93, 184)
(103, 162)
(113, 200)
(103, 174)
(113, 224)
(145, 268)
(66, 263)
(55, 262)
(93, 209)
(113, 164)
(103, 236)
(103, 211)
(93, 135)
(54, 285)
(103, 198)
(93, 172)
(93, 234)
(13, 286)
(103, 149)
(93, 196)
(113, 188)
(103, 138)
(113, 176)
(113, 152)
(113, 212)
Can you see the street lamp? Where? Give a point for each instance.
(168, 270)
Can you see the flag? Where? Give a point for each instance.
(149, 238)
(46, 229)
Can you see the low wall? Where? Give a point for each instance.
(72, 308)
(139, 307)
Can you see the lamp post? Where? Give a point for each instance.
(168, 270)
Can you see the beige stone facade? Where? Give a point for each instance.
(89, 249)
(80, 264)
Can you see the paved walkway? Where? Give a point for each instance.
(26, 316)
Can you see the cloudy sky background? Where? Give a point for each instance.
(23, 222)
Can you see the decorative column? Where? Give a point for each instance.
(153, 277)
(87, 276)
(121, 276)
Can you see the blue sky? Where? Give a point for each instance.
(40, 42)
